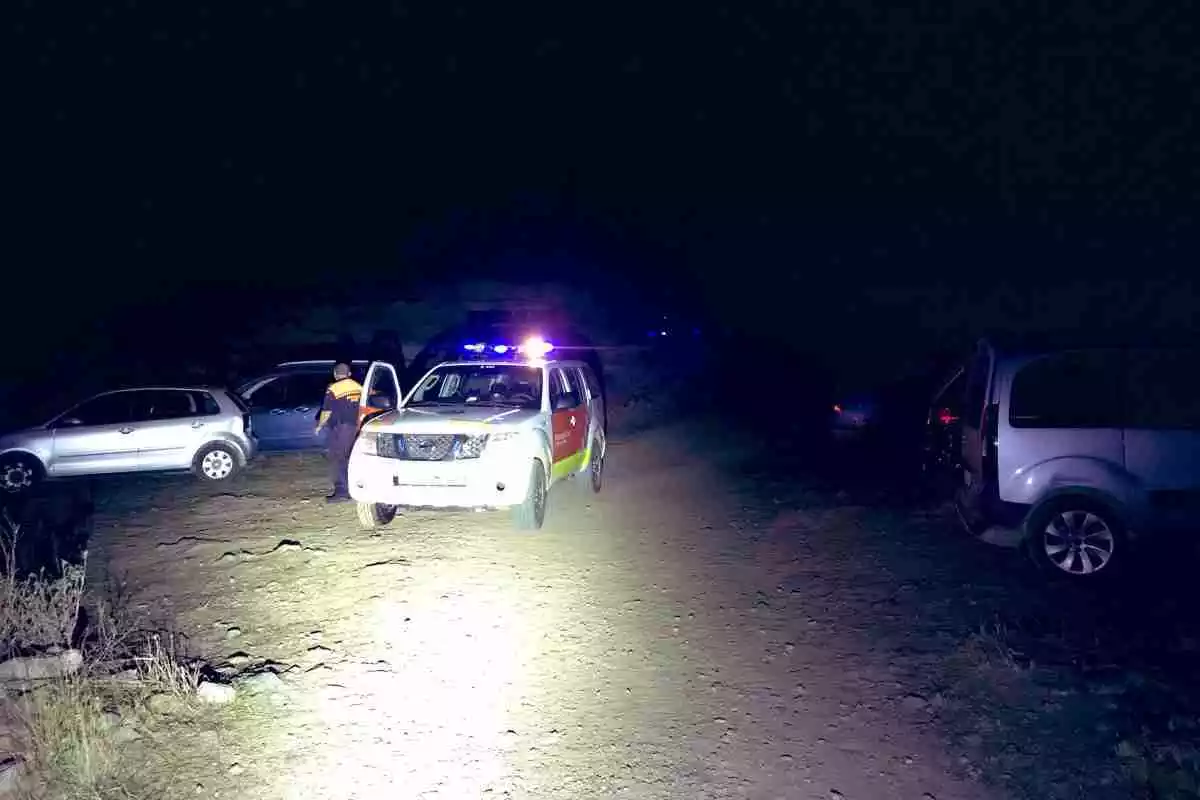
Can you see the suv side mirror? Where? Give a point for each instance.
(566, 401)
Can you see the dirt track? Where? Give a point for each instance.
(688, 633)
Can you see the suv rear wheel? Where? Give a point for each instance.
(1076, 537)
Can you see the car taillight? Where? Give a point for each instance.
(837, 409)
(990, 429)
(946, 417)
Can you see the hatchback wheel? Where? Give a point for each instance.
(1076, 537)
(19, 473)
(216, 462)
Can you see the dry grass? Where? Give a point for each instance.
(989, 648)
(74, 727)
(36, 611)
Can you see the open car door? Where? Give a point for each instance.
(381, 391)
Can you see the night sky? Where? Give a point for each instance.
(189, 154)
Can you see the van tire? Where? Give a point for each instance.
(372, 516)
(1079, 525)
(531, 513)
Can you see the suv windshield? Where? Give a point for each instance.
(508, 385)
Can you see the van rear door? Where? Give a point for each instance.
(978, 392)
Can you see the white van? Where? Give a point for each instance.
(1076, 454)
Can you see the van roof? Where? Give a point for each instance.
(1025, 344)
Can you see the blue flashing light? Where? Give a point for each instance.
(532, 348)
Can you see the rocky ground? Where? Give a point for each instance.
(712, 625)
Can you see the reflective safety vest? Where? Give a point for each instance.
(341, 403)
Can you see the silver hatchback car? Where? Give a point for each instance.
(133, 430)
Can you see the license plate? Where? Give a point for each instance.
(431, 480)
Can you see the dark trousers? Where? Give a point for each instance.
(338, 446)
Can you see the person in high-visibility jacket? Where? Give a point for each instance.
(340, 416)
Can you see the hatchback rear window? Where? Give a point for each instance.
(207, 405)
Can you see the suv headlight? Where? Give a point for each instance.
(368, 444)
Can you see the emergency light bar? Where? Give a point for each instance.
(534, 347)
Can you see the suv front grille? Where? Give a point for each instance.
(430, 446)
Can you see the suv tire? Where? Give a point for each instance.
(372, 516)
(595, 472)
(531, 513)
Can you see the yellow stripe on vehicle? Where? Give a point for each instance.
(569, 465)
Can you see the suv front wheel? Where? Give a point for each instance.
(1076, 537)
(531, 513)
(372, 516)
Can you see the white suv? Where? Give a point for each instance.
(495, 431)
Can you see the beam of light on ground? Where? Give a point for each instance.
(426, 714)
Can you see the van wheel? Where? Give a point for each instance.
(1076, 537)
(374, 515)
(216, 462)
(530, 515)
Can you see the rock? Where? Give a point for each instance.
(235, 769)
(233, 632)
(238, 659)
(41, 667)
(110, 720)
(914, 702)
(162, 703)
(263, 682)
(287, 546)
(215, 693)
(125, 734)
(11, 774)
